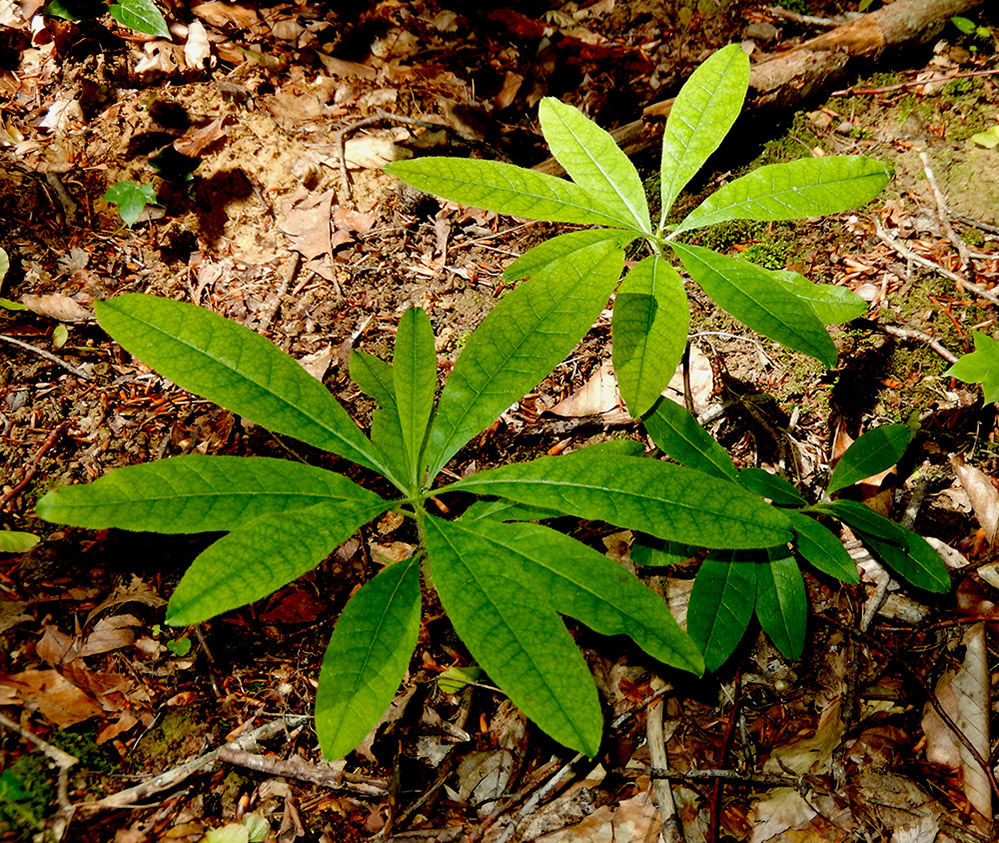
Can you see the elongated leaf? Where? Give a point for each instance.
(832, 304)
(512, 630)
(822, 548)
(751, 296)
(808, 187)
(872, 453)
(768, 485)
(503, 188)
(678, 434)
(781, 603)
(14, 541)
(196, 494)
(721, 605)
(595, 162)
(521, 340)
(375, 378)
(563, 246)
(703, 112)
(917, 562)
(367, 657)
(414, 376)
(587, 586)
(908, 554)
(663, 500)
(261, 556)
(651, 317)
(232, 366)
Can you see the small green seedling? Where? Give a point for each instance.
(139, 15)
(506, 580)
(980, 366)
(131, 199)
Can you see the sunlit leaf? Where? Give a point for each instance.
(595, 162)
(367, 657)
(414, 376)
(557, 249)
(781, 602)
(771, 486)
(871, 454)
(677, 433)
(721, 605)
(142, 16)
(980, 366)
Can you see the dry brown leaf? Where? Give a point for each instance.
(161, 58)
(782, 810)
(194, 144)
(306, 221)
(810, 754)
(635, 820)
(346, 69)
(983, 495)
(348, 225)
(57, 306)
(702, 381)
(483, 777)
(110, 634)
(216, 13)
(58, 699)
(597, 396)
(391, 552)
(964, 695)
(376, 149)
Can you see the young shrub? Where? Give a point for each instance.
(504, 580)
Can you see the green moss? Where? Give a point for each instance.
(767, 255)
(27, 789)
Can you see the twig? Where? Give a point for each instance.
(943, 214)
(723, 775)
(30, 472)
(906, 252)
(171, 778)
(915, 83)
(299, 768)
(671, 830)
(984, 226)
(912, 334)
(722, 755)
(279, 294)
(538, 797)
(811, 20)
(41, 352)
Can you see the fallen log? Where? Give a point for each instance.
(814, 67)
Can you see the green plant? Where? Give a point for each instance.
(980, 366)
(131, 199)
(140, 15)
(503, 578)
(26, 791)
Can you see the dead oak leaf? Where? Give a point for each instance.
(60, 701)
(306, 221)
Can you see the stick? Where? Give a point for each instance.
(916, 82)
(41, 352)
(671, 830)
(943, 215)
(913, 334)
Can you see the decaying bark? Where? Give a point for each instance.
(814, 67)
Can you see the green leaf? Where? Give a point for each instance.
(781, 602)
(557, 249)
(909, 555)
(4, 264)
(646, 550)
(367, 657)
(650, 321)
(822, 548)
(230, 365)
(142, 16)
(131, 198)
(768, 485)
(595, 162)
(376, 379)
(807, 187)
(702, 114)
(504, 510)
(414, 376)
(584, 584)
(521, 340)
(261, 556)
(966, 25)
(677, 433)
(663, 500)
(512, 630)
(454, 680)
(7, 304)
(503, 188)
(832, 304)
(872, 453)
(721, 605)
(12, 541)
(76, 10)
(749, 294)
(196, 494)
(980, 366)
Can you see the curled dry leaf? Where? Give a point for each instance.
(597, 396)
(194, 144)
(57, 306)
(982, 493)
(197, 48)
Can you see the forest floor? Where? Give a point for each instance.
(276, 231)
